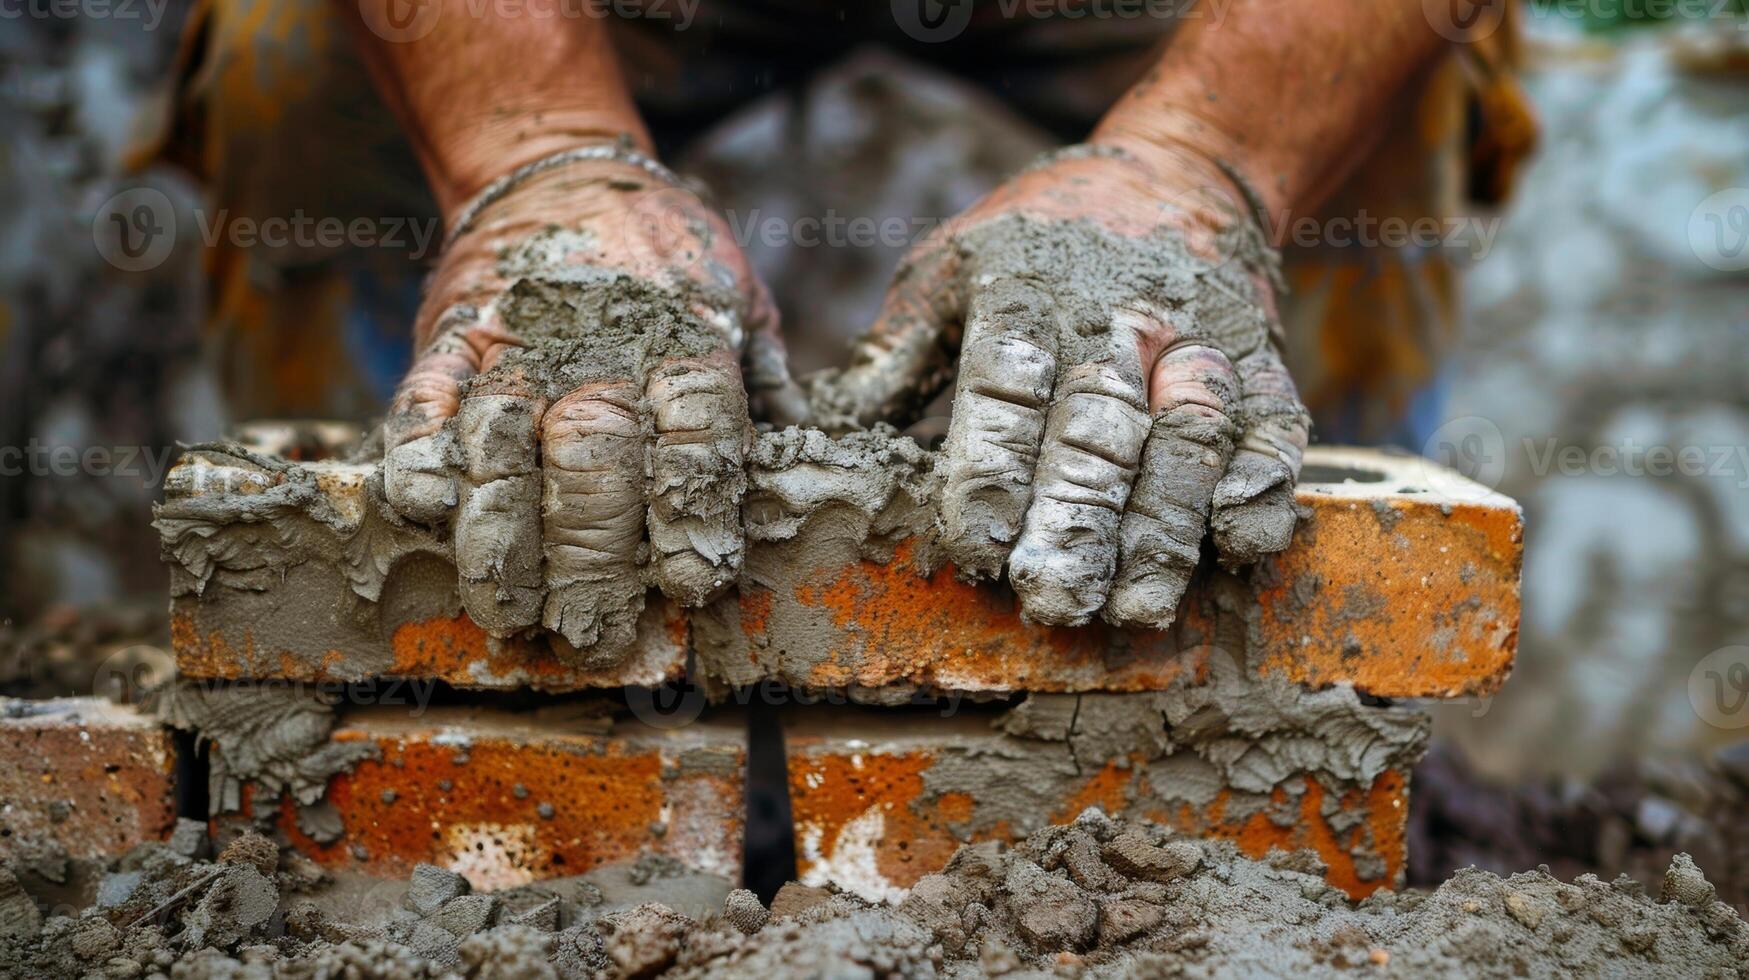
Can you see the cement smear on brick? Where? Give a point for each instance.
(1094, 898)
(271, 737)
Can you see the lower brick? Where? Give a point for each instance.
(506, 798)
(879, 800)
(82, 777)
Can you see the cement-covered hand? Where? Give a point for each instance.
(1120, 388)
(579, 415)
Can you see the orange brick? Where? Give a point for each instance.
(881, 799)
(83, 775)
(505, 798)
(1390, 585)
(302, 620)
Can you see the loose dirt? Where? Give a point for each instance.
(1094, 898)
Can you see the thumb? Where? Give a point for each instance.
(906, 358)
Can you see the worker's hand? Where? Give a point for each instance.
(577, 414)
(1120, 390)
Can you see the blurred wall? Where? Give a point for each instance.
(1604, 383)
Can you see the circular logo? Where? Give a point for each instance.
(1464, 459)
(136, 229)
(1718, 230)
(400, 21)
(932, 21)
(1718, 688)
(669, 706)
(127, 674)
(1479, 20)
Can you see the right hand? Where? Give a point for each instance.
(577, 414)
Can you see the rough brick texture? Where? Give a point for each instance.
(881, 800)
(1402, 580)
(82, 777)
(510, 797)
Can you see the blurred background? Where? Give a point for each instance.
(1581, 342)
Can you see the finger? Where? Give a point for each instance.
(906, 358)
(1254, 508)
(420, 459)
(1063, 564)
(1192, 390)
(772, 392)
(697, 465)
(1007, 372)
(592, 502)
(497, 530)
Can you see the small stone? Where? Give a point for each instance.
(795, 898)
(1052, 913)
(388, 796)
(546, 811)
(188, 838)
(239, 901)
(1379, 957)
(94, 939)
(1082, 862)
(519, 791)
(544, 917)
(465, 915)
(19, 917)
(445, 785)
(116, 888)
(1137, 858)
(432, 942)
(743, 910)
(1684, 883)
(1122, 918)
(431, 887)
(1528, 911)
(254, 850)
(644, 941)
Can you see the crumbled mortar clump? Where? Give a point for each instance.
(1094, 898)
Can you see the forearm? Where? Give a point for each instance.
(1287, 93)
(480, 95)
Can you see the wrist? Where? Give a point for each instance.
(463, 164)
(1212, 191)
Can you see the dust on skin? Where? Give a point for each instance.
(1064, 373)
(1096, 898)
(562, 517)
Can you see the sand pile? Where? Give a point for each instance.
(1093, 898)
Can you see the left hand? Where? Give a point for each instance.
(1120, 385)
